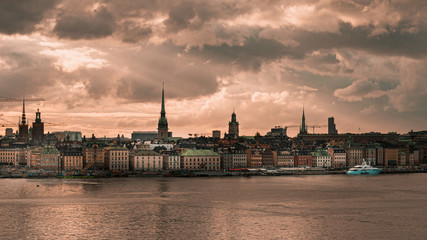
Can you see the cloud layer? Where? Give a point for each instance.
(337, 57)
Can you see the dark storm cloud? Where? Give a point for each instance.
(22, 16)
(249, 55)
(98, 24)
(397, 41)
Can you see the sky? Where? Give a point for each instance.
(100, 65)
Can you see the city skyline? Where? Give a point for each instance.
(100, 65)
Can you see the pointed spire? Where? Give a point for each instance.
(303, 129)
(163, 111)
(163, 122)
(24, 121)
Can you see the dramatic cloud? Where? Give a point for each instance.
(22, 16)
(359, 90)
(93, 58)
(87, 25)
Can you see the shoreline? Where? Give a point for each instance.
(199, 174)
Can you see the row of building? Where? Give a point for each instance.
(155, 157)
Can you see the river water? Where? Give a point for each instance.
(285, 207)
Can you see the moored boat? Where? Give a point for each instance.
(364, 169)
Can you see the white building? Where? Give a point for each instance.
(146, 161)
(321, 158)
(117, 158)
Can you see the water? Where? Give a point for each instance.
(287, 207)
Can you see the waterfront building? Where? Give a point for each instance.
(9, 156)
(72, 159)
(233, 127)
(226, 160)
(233, 159)
(391, 156)
(338, 157)
(37, 134)
(331, 126)
(267, 158)
(171, 160)
(373, 154)
(254, 157)
(285, 159)
(94, 154)
(354, 156)
(117, 159)
(46, 158)
(146, 161)
(162, 128)
(23, 135)
(402, 158)
(303, 160)
(321, 158)
(192, 159)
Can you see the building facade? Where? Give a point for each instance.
(117, 159)
(321, 158)
(171, 160)
(146, 161)
(72, 159)
(254, 158)
(192, 159)
(94, 155)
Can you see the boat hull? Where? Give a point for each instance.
(365, 172)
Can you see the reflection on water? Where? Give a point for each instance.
(289, 207)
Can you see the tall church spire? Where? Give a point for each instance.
(162, 130)
(24, 120)
(163, 111)
(303, 129)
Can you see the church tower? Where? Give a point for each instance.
(303, 128)
(23, 126)
(38, 129)
(163, 122)
(233, 127)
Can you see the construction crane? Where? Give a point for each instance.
(316, 126)
(292, 126)
(6, 99)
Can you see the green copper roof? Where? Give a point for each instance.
(49, 150)
(198, 152)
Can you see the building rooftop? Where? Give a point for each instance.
(198, 152)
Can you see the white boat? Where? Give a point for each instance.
(364, 169)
